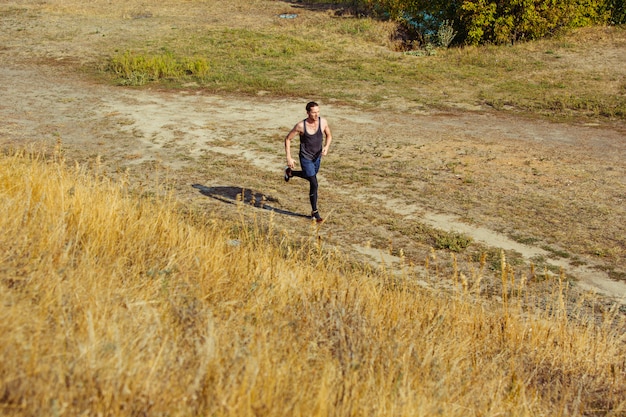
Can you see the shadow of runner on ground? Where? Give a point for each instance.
(231, 195)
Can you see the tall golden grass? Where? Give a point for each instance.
(115, 304)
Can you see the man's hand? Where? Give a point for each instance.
(291, 163)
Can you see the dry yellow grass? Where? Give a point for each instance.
(118, 305)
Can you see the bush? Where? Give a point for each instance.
(487, 21)
(513, 20)
(453, 241)
(617, 10)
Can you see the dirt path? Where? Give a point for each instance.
(200, 139)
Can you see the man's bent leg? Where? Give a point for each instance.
(300, 174)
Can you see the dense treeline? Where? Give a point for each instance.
(494, 21)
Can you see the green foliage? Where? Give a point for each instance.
(511, 20)
(496, 21)
(478, 16)
(454, 241)
(617, 10)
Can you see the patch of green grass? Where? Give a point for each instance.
(139, 69)
(353, 60)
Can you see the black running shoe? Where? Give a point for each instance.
(316, 216)
(287, 174)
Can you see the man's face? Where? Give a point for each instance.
(314, 113)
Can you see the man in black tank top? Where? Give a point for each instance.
(312, 131)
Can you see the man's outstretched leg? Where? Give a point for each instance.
(313, 197)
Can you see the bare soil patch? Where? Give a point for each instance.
(549, 193)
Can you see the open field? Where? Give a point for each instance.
(438, 163)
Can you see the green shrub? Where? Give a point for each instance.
(487, 21)
(453, 241)
(617, 10)
(512, 20)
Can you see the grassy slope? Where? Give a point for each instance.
(115, 304)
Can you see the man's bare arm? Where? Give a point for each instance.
(296, 129)
(329, 139)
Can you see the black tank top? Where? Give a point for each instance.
(311, 144)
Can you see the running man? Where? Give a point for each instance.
(312, 131)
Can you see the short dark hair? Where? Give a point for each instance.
(310, 105)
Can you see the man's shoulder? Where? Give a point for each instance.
(299, 126)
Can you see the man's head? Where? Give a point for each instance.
(313, 111)
(310, 105)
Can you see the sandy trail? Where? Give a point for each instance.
(131, 128)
